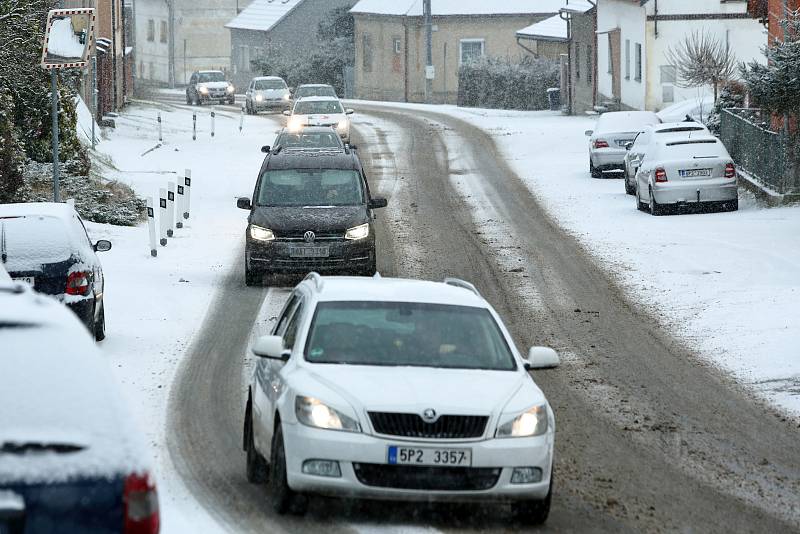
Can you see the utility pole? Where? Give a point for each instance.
(429, 72)
(56, 156)
(171, 17)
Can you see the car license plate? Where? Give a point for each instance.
(309, 252)
(400, 455)
(694, 173)
(623, 142)
(27, 279)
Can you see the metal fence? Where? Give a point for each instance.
(762, 153)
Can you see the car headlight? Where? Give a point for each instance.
(342, 124)
(357, 232)
(261, 234)
(532, 422)
(203, 89)
(259, 98)
(312, 412)
(231, 88)
(287, 96)
(296, 124)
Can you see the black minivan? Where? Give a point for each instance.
(310, 211)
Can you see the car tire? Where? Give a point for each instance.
(532, 513)
(252, 277)
(641, 206)
(188, 100)
(655, 208)
(257, 470)
(629, 189)
(284, 499)
(371, 269)
(732, 205)
(594, 171)
(100, 325)
(232, 102)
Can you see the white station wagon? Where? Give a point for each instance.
(398, 389)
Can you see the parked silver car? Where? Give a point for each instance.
(646, 138)
(612, 133)
(688, 171)
(267, 92)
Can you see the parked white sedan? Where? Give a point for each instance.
(398, 389)
(688, 171)
(320, 111)
(614, 130)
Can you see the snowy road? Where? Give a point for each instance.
(647, 439)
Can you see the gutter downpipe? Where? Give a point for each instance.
(567, 18)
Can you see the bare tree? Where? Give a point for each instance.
(702, 59)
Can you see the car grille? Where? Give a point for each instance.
(411, 425)
(427, 478)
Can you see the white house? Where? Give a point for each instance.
(633, 37)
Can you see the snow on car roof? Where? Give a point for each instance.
(554, 28)
(625, 121)
(315, 85)
(37, 233)
(413, 8)
(258, 78)
(346, 288)
(50, 209)
(318, 99)
(58, 398)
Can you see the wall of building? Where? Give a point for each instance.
(380, 71)
(542, 48)
(583, 69)
(152, 52)
(779, 10)
(630, 19)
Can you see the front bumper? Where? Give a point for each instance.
(343, 255)
(357, 452)
(270, 104)
(692, 192)
(217, 97)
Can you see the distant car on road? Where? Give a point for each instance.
(267, 92)
(698, 109)
(309, 138)
(46, 245)
(613, 131)
(367, 388)
(70, 458)
(680, 172)
(310, 212)
(320, 111)
(314, 89)
(209, 86)
(646, 138)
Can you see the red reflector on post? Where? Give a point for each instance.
(141, 505)
(661, 175)
(78, 283)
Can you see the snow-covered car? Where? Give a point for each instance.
(320, 111)
(698, 109)
(644, 139)
(395, 389)
(314, 89)
(309, 138)
(677, 172)
(71, 459)
(209, 86)
(267, 92)
(46, 245)
(612, 132)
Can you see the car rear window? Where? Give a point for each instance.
(303, 92)
(262, 85)
(318, 107)
(30, 241)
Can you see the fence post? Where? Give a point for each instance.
(194, 126)
(162, 216)
(187, 181)
(160, 136)
(170, 208)
(179, 206)
(241, 120)
(213, 115)
(151, 227)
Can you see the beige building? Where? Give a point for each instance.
(391, 51)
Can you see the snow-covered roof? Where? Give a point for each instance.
(577, 6)
(552, 29)
(413, 8)
(345, 288)
(262, 15)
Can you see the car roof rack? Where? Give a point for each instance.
(457, 282)
(316, 278)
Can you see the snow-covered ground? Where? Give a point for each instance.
(154, 305)
(728, 283)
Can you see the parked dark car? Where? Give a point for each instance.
(314, 89)
(46, 245)
(310, 211)
(209, 86)
(71, 460)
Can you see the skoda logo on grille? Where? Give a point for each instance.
(309, 237)
(430, 415)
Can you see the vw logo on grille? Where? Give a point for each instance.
(309, 237)
(430, 415)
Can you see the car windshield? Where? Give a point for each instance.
(263, 85)
(322, 90)
(317, 107)
(309, 140)
(206, 77)
(407, 334)
(310, 187)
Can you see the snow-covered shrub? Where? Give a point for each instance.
(732, 95)
(500, 83)
(11, 160)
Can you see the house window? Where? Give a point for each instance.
(163, 36)
(470, 50)
(669, 74)
(589, 65)
(398, 46)
(627, 59)
(366, 47)
(151, 30)
(638, 71)
(667, 94)
(577, 61)
(610, 55)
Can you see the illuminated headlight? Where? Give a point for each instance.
(261, 234)
(231, 89)
(342, 125)
(532, 422)
(296, 124)
(358, 232)
(203, 89)
(259, 98)
(287, 96)
(312, 412)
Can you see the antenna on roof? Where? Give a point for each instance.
(457, 282)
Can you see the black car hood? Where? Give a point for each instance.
(294, 221)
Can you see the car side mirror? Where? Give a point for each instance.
(378, 202)
(291, 89)
(265, 149)
(103, 245)
(349, 111)
(287, 113)
(542, 358)
(271, 347)
(588, 133)
(243, 203)
(352, 147)
(628, 145)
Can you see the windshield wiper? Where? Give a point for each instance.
(12, 447)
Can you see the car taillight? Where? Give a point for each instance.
(730, 171)
(599, 143)
(661, 175)
(141, 505)
(78, 283)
